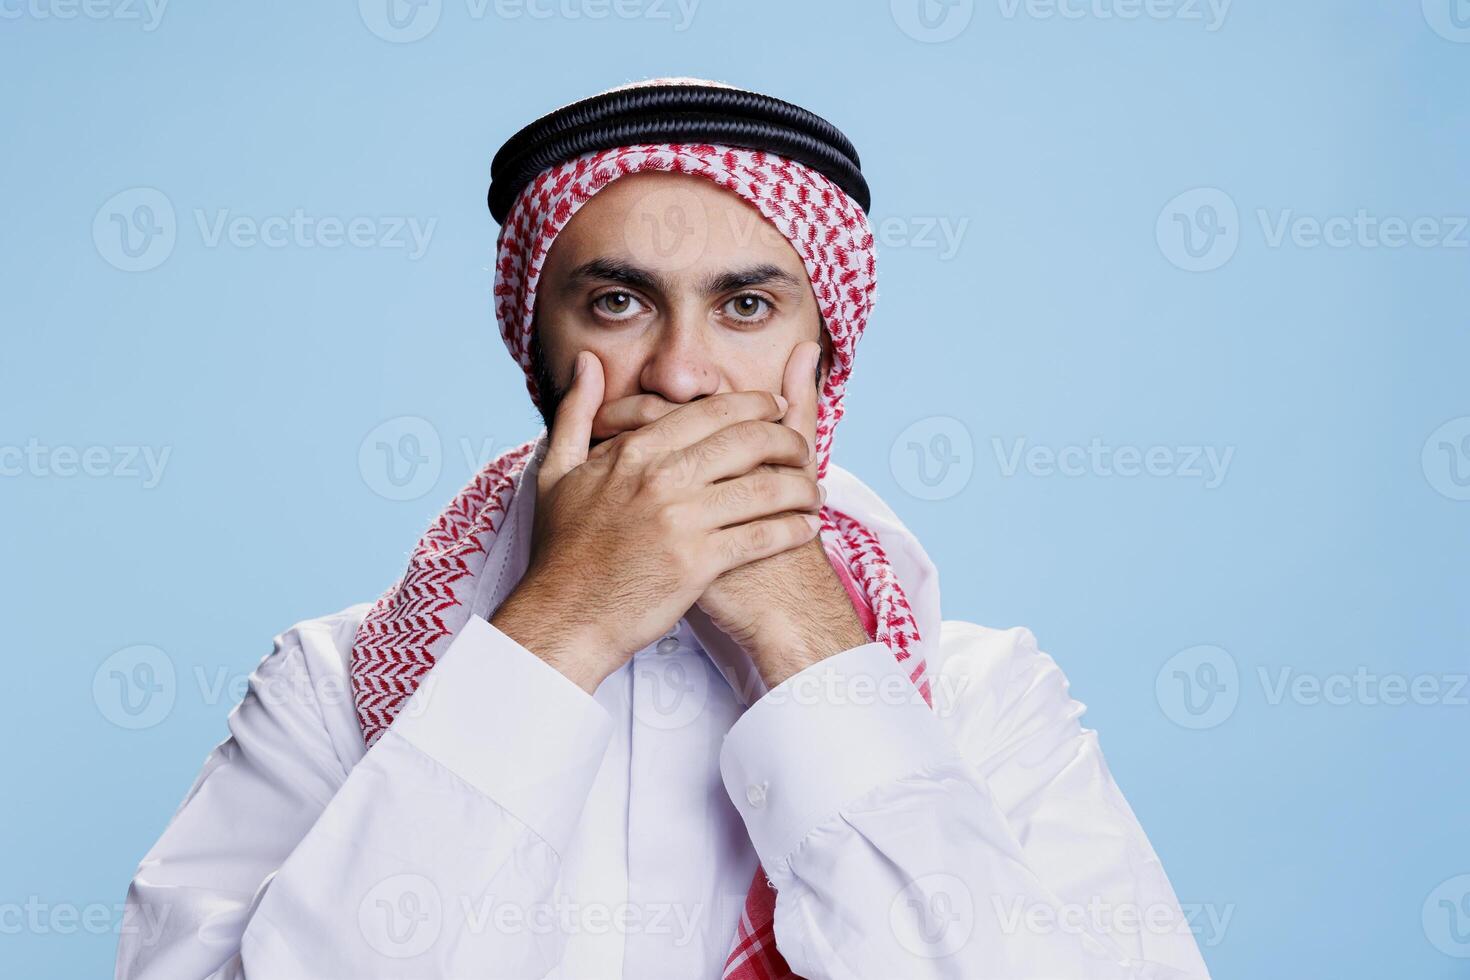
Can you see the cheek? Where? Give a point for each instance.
(755, 367)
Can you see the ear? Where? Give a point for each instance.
(824, 363)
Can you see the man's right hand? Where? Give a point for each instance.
(627, 537)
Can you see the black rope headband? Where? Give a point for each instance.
(674, 114)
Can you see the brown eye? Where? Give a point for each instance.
(617, 305)
(748, 307)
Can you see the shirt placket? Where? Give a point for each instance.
(684, 839)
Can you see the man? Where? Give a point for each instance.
(663, 692)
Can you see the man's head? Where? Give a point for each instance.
(691, 236)
(680, 288)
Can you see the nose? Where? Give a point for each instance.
(680, 366)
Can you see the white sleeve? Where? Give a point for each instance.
(984, 838)
(284, 863)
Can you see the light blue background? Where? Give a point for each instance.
(1333, 545)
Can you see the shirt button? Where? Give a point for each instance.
(667, 645)
(756, 794)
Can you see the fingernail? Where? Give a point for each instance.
(823, 488)
(781, 403)
(577, 365)
(811, 451)
(814, 522)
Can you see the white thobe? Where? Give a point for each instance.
(509, 824)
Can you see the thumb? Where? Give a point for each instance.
(571, 430)
(799, 385)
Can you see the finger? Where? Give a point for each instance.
(745, 543)
(632, 412)
(799, 385)
(760, 494)
(617, 418)
(696, 420)
(571, 430)
(740, 448)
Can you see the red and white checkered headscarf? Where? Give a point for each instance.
(410, 626)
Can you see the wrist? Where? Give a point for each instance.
(789, 645)
(537, 622)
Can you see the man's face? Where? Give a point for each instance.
(679, 287)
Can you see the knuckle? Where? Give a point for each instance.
(638, 450)
(733, 493)
(661, 478)
(731, 550)
(758, 537)
(648, 412)
(698, 452)
(768, 485)
(670, 517)
(752, 432)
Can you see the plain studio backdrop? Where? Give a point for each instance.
(1168, 365)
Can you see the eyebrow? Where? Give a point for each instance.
(616, 270)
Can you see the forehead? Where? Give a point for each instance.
(675, 223)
